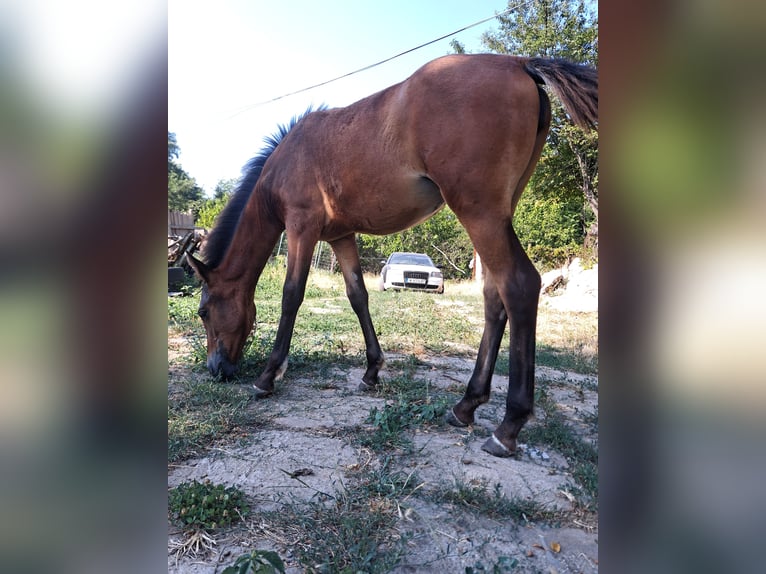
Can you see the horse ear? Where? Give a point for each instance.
(202, 270)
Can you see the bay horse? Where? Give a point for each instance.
(465, 130)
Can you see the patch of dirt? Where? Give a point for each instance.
(309, 428)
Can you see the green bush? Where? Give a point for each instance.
(551, 229)
(209, 210)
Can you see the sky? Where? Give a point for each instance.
(227, 56)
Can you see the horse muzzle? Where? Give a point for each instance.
(217, 364)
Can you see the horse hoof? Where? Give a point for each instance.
(260, 393)
(496, 448)
(365, 387)
(451, 419)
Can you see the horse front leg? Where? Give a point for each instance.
(479, 386)
(348, 257)
(294, 288)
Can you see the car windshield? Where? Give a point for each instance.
(411, 259)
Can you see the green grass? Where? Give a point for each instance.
(479, 499)
(406, 322)
(414, 404)
(200, 412)
(582, 456)
(353, 531)
(257, 562)
(567, 341)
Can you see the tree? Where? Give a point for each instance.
(568, 167)
(225, 187)
(456, 46)
(210, 208)
(183, 192)
(173, 149)
(548, 29)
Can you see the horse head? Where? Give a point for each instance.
(228, 314)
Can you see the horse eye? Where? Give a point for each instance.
(202, 313)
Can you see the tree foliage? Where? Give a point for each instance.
(225, 187)
(548, 29)
(442, 238)
(183, 192)
(209, 210)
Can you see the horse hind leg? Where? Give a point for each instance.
(479, 386)
(511, 291)
(518, 285)
(348, 257)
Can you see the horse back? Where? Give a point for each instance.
(389, 161)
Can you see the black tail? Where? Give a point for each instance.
(576, 85)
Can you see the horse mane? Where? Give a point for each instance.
(220, 237)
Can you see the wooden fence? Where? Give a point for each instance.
(179, 223)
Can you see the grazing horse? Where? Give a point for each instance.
(465, 130)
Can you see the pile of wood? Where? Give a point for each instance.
(178, 246)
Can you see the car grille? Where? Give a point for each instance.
(416, 279)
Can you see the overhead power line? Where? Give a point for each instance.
(365, 68)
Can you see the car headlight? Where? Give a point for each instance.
(436, 274)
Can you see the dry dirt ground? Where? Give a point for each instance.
(305, 430)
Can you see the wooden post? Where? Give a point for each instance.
(477, 270)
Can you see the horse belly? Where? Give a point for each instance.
(394, 208)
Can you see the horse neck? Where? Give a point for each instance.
(251, 246)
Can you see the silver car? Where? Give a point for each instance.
(411, 271)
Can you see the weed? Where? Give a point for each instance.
(182, 311)
(477, 498)
(354, 533)
(257, 562)
(414, 407)
(385, 483)
(206, 506)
